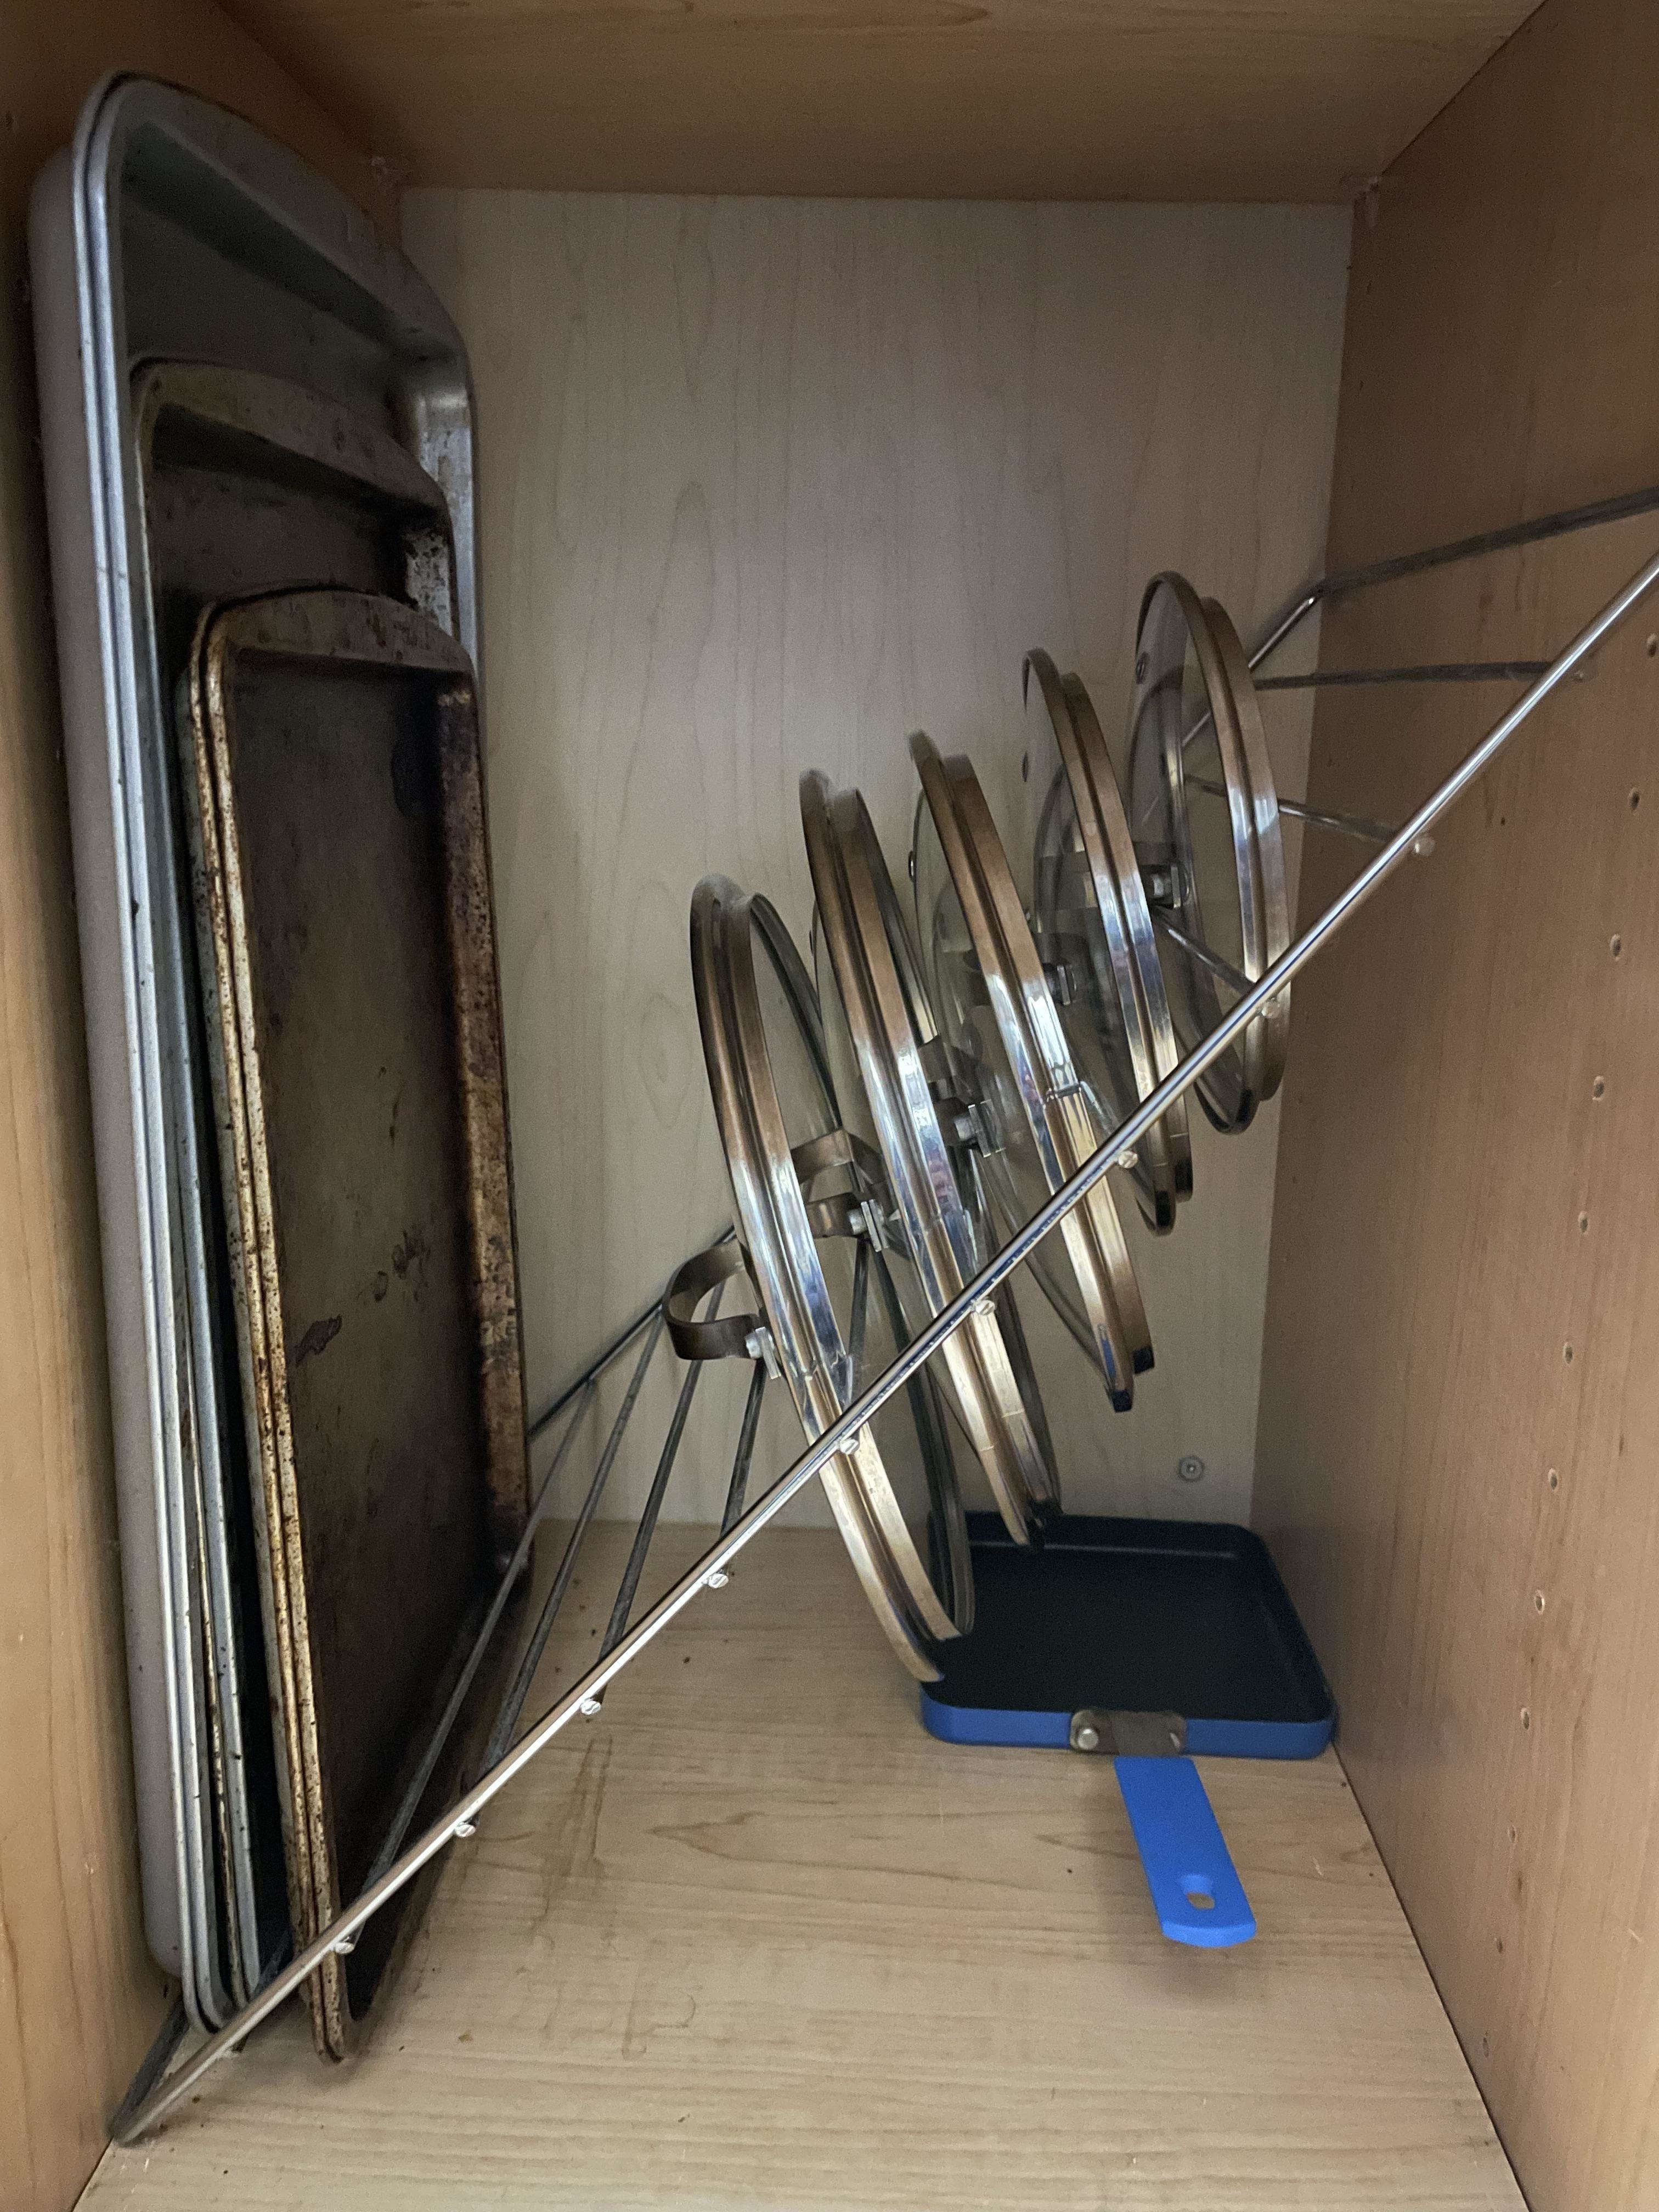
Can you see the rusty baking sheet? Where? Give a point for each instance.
(348, 936)
(247, 482)
(174, 231)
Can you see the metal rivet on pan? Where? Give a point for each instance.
(1087, 1738)
(1599, 1088)
(344, 1946)
(1566, 1353)
(1538, 1601)
(1616, 945)
(589, 1706)
(718, 1578)
(1526, 1717)
(1190, 1467)
(466, 1827)
(1553, 1479)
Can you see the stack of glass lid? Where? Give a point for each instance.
(893, 1121)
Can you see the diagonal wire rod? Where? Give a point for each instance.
(461, 1817)
(506, 1718)
(423, 1774)
(596, 1366)
(745, 1451)
(629, 1588)
(1427, 671)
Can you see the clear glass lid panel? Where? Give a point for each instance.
(791, 1023)
(858, 1121)
(1193, 855)
(845, 1073)
(1010, 1180)
(1071, 935)
(874, 1298)
(865, 1292)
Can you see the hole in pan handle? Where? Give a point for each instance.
(1196, 1891)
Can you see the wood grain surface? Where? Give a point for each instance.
(79, 1998)
(1460, 1419)
(1180, 99)
(752, 1939)
(765, 486)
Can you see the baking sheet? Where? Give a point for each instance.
(176, 229)
(347, 930)
(245, 481)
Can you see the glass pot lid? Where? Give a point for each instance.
(1205, 817)
(893, 1091)
(1094, 932)
(1013, 1067)
(826, 1290)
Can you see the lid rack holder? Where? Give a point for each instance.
(397, 1860)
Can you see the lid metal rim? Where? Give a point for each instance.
(1166, 1175)
(1095, 763)
(1231, 1118)
(1275, 1020)
(1097, 1223)
(786, 1269)
(844, 856)
(1020, 1001)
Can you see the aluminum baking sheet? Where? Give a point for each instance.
(173, 229)
(246, 481)
(348, 933)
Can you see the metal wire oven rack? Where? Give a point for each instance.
(397, 1861)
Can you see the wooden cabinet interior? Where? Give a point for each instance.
(1463, 1510)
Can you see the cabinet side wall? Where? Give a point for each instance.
(1460, 1405)
(79, 2000)
(767, 485)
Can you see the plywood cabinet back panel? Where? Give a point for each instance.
(1460, 1410)
(767, 485)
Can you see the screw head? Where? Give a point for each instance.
(1190, 1467)
(1088, 1738)
(718, 1578)
(589, 1706)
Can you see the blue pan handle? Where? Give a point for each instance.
(1189, 1870)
